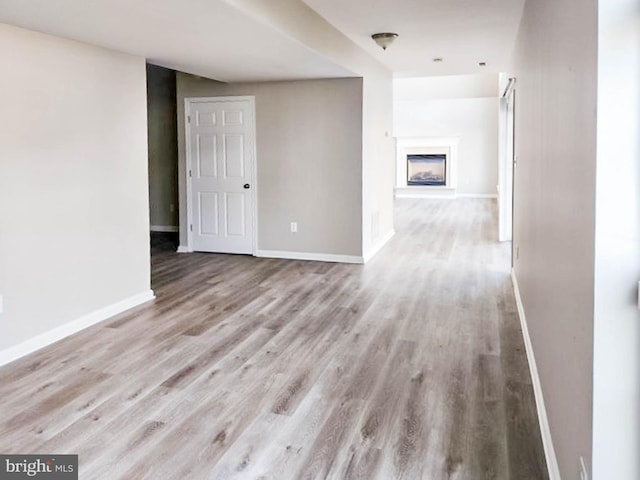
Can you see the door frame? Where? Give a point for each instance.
(506, 163)
(253, 191)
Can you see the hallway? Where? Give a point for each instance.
(412, 366)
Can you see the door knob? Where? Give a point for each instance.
(246, 185)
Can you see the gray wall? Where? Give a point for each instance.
(309, 161)
(554, 210)
(74, 235)
(299, 21)
(163, 147)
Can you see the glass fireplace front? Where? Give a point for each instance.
(427, 169)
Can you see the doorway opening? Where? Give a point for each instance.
(507, 162)
(162, 144)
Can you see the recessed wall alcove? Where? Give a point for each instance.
(426, 166)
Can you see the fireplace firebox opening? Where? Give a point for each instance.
(427, 169)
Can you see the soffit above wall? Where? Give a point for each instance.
(208, 38)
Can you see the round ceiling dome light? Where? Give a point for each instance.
(384, 39)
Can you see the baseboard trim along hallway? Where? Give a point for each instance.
(379, 245)
(47, 338)
(316, 257)
(545, 431)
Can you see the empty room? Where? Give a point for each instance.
(305, 239)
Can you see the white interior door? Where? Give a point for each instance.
(221, 169)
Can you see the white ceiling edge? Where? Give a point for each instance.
(446, 87)
(212, 39)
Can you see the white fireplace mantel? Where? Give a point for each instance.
(426, 145)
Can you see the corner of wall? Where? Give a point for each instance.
(47, 338)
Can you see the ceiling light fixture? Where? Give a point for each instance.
(384, 39)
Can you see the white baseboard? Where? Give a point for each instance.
(47, 338)
(545, 431)
(425, 192)
(435, 192)
(316, 257)
(476, 195)
(164, 228)
(378, 246)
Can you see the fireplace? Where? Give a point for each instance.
(427, 169)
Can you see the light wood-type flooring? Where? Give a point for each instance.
(410, 367)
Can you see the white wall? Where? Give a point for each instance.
(554, 220)
(309, 161)
(616, 402)
(451, 107)
(74, 229)
(446, 87)
(378, 161)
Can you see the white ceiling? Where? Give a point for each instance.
(209, 38)
(461, 32)
(214, 39)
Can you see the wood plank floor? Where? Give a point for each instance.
(410, 367)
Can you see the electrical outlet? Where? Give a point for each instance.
(1, 305)
(517, 253)
(583, 470)
(294, 227)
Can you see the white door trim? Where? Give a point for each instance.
(188, 101)
(506, 162)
